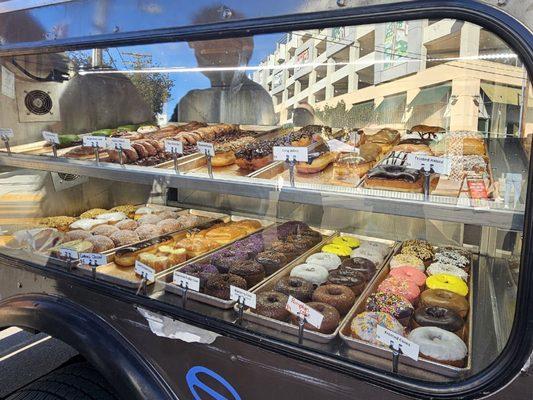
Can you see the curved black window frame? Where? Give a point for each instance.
(520, 344)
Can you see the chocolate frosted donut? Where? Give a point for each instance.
(287, 249)
(355, 280)
(219, 285)
(440, 317)
(329, 322)
(446, 299)
(271, 261)
(338, 296)
(250, 270)
(296, 287)
(272, 305)
(390, 303)
(360, 264)
(227, 258)
(201, 271)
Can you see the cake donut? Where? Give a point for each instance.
(397, 306)
(200, 271)
(349, 241)
(439, 345)
(407, 259)
(440, 317)
(355, 280)
(400, 286)
(409, 273)
(446, 299)
(296, 287)
(447, 282)
(271, 261)
(329, 261)
(272, 304)
(312, 273)
(338, 296)
(440, 268)
(329, 322)
(341, 250)
(364, 326)
(218, 285)
(250, 270)
(227, 258)
(370, 254)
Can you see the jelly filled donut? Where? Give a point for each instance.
(440, 317)
(296, 287)
(409, 273)
(400, 286)
(397, 306)
(329, 322)
(439, 345)
(327, 260)
(272, 305)
(447, 282)
(311, 273)
(364, 326)
(338, 296)
(446, 299)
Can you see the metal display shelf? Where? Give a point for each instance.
(358, 199)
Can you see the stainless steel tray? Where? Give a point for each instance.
(227, 304)
(125, 276)
(422, 364)
(293, 329)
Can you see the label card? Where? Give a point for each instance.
(145, 271)
(174, 146)
(312, 316)
(186, 281)
(440, 165)
(93, 259)
(281, 153)
(6, 133)
(8, 83)
(248, 298)
(206, 148)
(68, 254)
(338, 146)
(388, 337)
(51, 137)
(95, 141)
(118, 143)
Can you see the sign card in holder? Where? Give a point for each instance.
(206, 148)
(173, 146)
(292, 153)
(51, 137)
(186, 281)
(94, 141)
(145, 271)
(439, 165)
(398, 342)
(300, 309)
(240, 295)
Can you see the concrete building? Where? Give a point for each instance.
(439, 72)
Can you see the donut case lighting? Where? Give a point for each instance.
(352, 192)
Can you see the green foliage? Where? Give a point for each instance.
(339, 116)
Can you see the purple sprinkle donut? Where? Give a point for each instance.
(226, 258)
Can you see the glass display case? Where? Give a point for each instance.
(355, 192)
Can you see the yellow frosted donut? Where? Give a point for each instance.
(338, 249)
(447, 282)
(349, 241)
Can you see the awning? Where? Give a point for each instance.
(431, 95)
(502, 94)
(390, 110)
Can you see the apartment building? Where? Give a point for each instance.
(439, 72)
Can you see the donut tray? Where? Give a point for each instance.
(422, 364)
(227, 304)
(293, 329)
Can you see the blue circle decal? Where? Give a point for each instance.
(194, 383)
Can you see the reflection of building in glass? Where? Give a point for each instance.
(437, 72)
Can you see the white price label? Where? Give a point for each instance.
(341, 147)
(186, 281)
(6, 133)
(282, 153)
(174, 146)
(95, 141)
(68, 254)
(388, 338)
(8, 82)
(51, 137)
(93, 259)
(145, 271)
(118, 143)
(206, 148)
(312, 316)
(439, 165)
(244, 296)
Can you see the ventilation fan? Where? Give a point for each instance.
(37, 101)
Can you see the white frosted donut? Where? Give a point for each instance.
(382, 248)
(439, 344)
(441, 268)
(86, 223)
(315, 274)
(327, 260)
(370, 254)
(112, 217)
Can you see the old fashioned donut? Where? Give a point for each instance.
(329, 261)
(272, 305)
(440, 317)
(447, 282)
(439, 345)
(296, 287)
(401, 287)
(338, 296)
(446, 299)
(364, 326)
(437, 268)
(397, 306)
(329, 322)
(222, 159)
(312, 273)
(409, 273)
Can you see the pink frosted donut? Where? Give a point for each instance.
(409, 273)
(400, 286)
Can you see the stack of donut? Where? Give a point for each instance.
(423, 298)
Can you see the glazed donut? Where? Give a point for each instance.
(271, 261)
(338, 296)
(272, 305)
(409, 273)
(329, 261)
(447, 282)
(338, 249)
(355, 280)
(437, 268)
(329, 322)
(100, 243)
(401, 287)
(223, 159)
(440, 317)
(370, 254)
(439, 345)
(446, 299)
(127, 224)
(219, 285)
(226, 234)
(196, 246)
(364, 326)
(251, 271)
(296, 287)
(312, 273)
(397, 306)
(359, 264)
(400, 260)
(349, 241)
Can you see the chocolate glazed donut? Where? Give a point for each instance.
(394, 172)
(296, 287)
(272, 305)
(439, 317)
